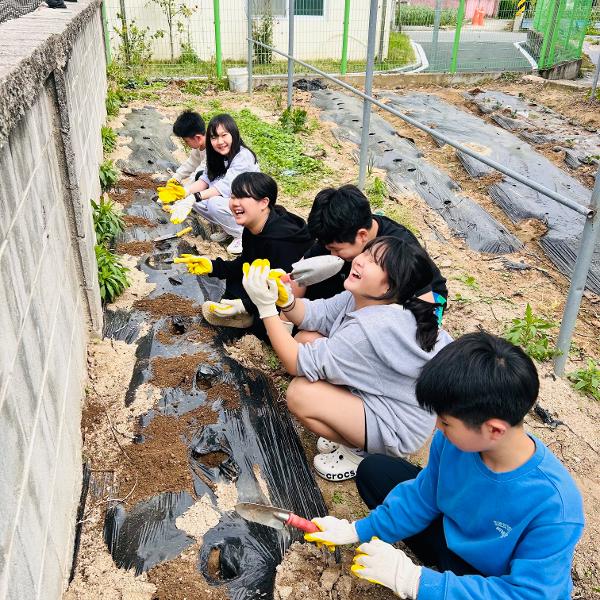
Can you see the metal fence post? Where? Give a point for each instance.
(250, 46)
(459, 23)
(344, 64)
(125, 31)
(578, 280)
(595, 82)
(290, 83)
(437, 19)
(366, 118)
(218, 55)
(106, 34)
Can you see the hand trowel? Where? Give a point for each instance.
(274, 517)
(172, 236)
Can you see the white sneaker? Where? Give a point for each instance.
(235, 247)
(219, 236)
(338, 465)
(325, 446)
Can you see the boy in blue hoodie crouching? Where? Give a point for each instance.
(494, 510)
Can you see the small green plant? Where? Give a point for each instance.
(188, 55)
(135, 47)
(272, 360)
(338, 497)
(109, 175)
(531, 333)
(293, 119)
(262, 31)
(587, 380)
(460, 299)
(377, 192)
(112, 275)
(108, 223)
(109, 139)
(114, 99)
(469, 281)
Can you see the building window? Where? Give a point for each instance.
(278, 8)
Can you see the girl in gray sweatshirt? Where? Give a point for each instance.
(358, 355)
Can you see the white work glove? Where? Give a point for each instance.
(182, 208)
(262, 290)
(285, 296)
(227, 308)
(334, 532)
(309, 271)
(379, 562)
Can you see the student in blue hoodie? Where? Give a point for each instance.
(494, 511)
(358, 354)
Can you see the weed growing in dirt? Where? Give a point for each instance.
(108, 223)
(109, 139)
(114, 99)
(587, 380)
(337, 497)
(460, 299)
(280, 152)
(469, 281)
(112, 275)
(197, 87)
(293, 119)
(377, 192)
(401, 215)
(272, 360)
(109, 175)
(531, 333)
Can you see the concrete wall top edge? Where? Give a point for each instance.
(31, 48)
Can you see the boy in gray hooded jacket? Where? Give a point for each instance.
(359, 354)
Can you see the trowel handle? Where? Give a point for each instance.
(302, 524)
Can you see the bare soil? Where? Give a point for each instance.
(126, 187)
(168, 305)
(225, 392)
(135, 248)
(178, 371)
(195, 332)
(135, 221)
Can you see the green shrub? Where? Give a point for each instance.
(531, 333)
(109, 139)
(188, 55)
(423, 15)
(587, 380)
(112, 275)
(293, 119)
(108, 223)
(114, 99)
(109, 175)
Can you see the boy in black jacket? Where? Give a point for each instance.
(270, 232)
(341, 222)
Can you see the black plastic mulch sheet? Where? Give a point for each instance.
(538, 125)
(407, 171)
(256, 434)
(518, 201)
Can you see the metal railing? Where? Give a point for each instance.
(591, 212)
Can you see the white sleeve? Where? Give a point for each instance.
(195, 160)
(243, 162)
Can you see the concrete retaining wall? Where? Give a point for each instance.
(52, 90)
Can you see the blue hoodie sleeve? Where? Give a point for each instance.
(410, 507)
(539, 570)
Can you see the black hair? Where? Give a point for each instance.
(409, 269)
(255, 185)
(215, 162)
(188, 124)
(337, 215)
(478, 377)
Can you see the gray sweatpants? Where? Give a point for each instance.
(216, 210)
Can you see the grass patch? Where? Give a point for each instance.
(377, 193)
(401, 215)
(109, 139)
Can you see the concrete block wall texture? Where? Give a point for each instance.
(52, 91)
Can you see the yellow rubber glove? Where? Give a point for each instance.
(197, 265)
(381, 563)
(334, 532)
(285, 296)
(171, 192)
(227, 308)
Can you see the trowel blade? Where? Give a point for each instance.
(265, 515)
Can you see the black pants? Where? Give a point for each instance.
(376, 476)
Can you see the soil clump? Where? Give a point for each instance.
(178, 371)
(135, 248)
(226, 393)
(135, 221)
(167, 305)
(194, 332)
(126, 187)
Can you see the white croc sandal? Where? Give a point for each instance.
(325, 446)
(338, 465)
